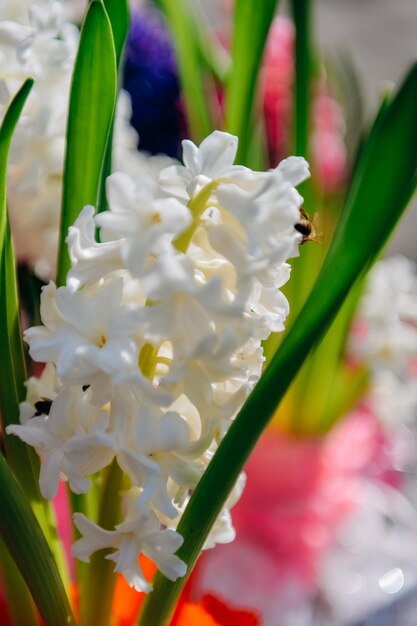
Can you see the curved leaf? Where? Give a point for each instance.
(91, 108)
(27, 545)
(22, 459)
(12, 360)
(12, 363)
(118, 12)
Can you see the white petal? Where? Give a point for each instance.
(49, 474)
(190, 156)
(294, 169)
(217, 153)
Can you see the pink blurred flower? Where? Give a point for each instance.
(298, 493)
(328, 152)
(64, 525)
(276, 87)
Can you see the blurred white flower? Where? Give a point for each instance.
(36, 40)
(384, 338)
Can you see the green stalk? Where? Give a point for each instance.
(197, 207)
(252, 20)
(301, 10)
(306, 267)
(100, 577)
(181, 24)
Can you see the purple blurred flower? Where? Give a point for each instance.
(150, 77)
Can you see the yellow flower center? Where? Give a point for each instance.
(156, 218)
(102, 341)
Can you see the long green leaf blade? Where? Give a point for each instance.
(12, 361)
(119, 16)
(12, 364)
(92, 102)
(22, 459)
(301, 14)
(384, 181)
(251, 25)
(20, 605)
(181, 24)
(27, 545)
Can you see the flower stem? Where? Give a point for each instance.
(197, 206)
(301, 10)
(98, 586)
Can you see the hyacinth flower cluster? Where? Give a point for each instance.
(154, 343)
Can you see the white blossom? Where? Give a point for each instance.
(72, 441)
(139, 533)
(91, 333)
(384, 338)
(156, 339)
(36, 40)
(146, 222)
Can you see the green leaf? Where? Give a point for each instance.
(21, 458)
(383, 183)
(12, 364)
(20, 605)
(181, 24)
(119, 16)
(30, 551)
(251, 25)
(118, 12)
(91, 108)
(301, 15)
(12, 360)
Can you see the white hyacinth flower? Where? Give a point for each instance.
(139, 533)
(90, 337)
(161, 324)
(72, 440)
(145, 222)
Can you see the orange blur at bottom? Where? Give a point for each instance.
(209, 611)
